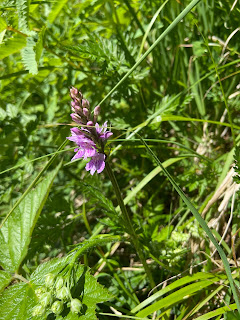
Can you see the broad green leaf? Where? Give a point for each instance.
(15, 234)
(3, 24)
(56, 9)
(175, 297)
(5, 279)
(86, 288)
(17, 302)
(12, 45)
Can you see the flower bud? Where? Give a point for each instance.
(46, 299)
(85, 112)
(63, 293)
(85, 103)
(76, 306)
(76, 107)
(97, 110)
(57, 307)
(76, 118)
(40, 291)
(60, 281)
(38, 310)
(73, 92)
(49, 280)
(90, 123)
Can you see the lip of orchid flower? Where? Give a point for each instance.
(97, 163)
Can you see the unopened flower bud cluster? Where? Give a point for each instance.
(90, 138)
(53, 295)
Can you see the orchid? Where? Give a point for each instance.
(91, 138)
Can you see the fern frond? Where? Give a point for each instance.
(56, 10)
(12, 45)
(29, 56)
(23, 11)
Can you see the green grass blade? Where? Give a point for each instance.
(217, 312)
(149, 177)
(201, 221)
(169, 28)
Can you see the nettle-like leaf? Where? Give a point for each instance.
(15, 234)
(5, 279)
(12, 45)
(17, 302)
(29, 56)
(83, 286)
(23, 11)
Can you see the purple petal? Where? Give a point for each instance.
(78, 155)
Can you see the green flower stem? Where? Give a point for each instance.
(128, 224)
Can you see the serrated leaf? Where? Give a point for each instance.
(52, 266)
(23, 11)
(29, 56)
(15, 234)
(85, 288)
(5, 279)
(17, 302)
(12, 45)
(56, 9)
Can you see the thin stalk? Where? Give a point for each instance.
(128, 224)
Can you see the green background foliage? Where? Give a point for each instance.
(183, 101)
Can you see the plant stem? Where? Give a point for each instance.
(128, 224)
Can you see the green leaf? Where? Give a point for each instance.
(200, 276)
(219, 311)
(17, 302)
(93, 293)
(85, 288)
(12, 45)
(3, 24)
(39, 44)
(23, 11)
(56, 10)
(29, 56)
(15, 234)
(175, 297)
(5, 279)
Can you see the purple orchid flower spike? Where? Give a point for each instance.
(90, 140)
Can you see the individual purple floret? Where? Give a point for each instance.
(97, 163)
(91, 138)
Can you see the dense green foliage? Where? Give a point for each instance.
(66, 251)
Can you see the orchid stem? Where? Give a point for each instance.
(128, 224)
